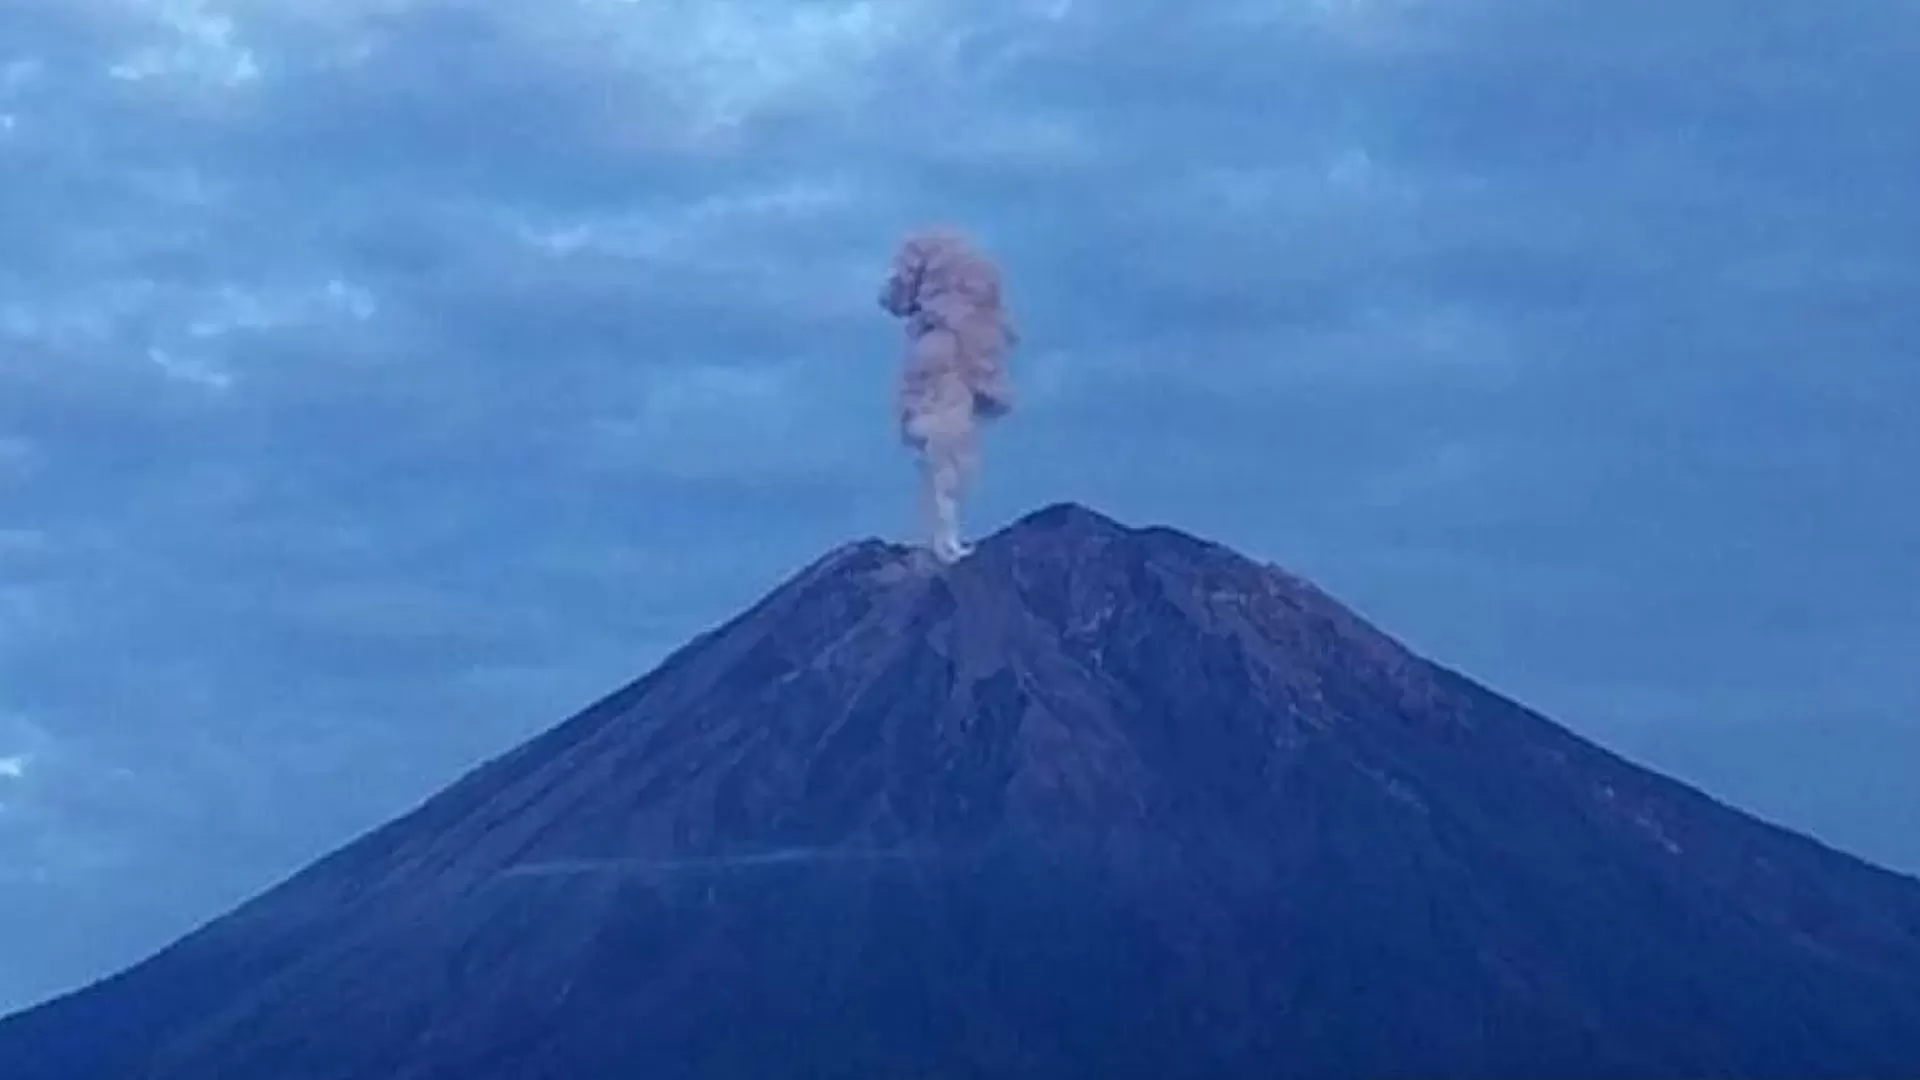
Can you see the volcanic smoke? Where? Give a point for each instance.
(955, 377)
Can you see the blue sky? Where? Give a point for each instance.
(381, 380)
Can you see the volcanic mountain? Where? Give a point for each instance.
(1096, 801)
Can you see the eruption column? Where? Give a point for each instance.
(958, 336)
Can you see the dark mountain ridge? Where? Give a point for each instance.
(1095, 801)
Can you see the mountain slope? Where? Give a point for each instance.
(1096, 801)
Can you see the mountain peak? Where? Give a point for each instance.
(1094, 801)
(1068, 516)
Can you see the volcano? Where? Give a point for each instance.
(1096, 801)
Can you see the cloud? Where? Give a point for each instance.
(370, 363)
(715, 64)
(194, 39)
(23, 748)
(16, 456)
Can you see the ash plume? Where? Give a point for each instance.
(948, 296)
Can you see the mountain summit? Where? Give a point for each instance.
(1096, 801)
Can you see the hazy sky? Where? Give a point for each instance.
(381, 380)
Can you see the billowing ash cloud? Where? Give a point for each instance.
(958, 334)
